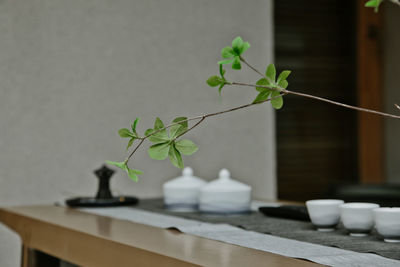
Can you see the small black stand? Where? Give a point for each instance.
(103, 198)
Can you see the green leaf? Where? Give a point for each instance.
(125, 133)
(148, 131)
(214, 81)
(263, 82)
(237, 44)
(186, 147)
(134, 125)
(183, 120)
(262, 96)
(132, 173)
(283, 76)
(130, 143)
(271, 72)
(175, 157)
(372, 3)
(236, 63)
(121, 165)
(227, 52)
(138, 172)
(176, 131)
(222, 71)
(158, 124)
(226, 61)
(276, 103)
(284, 84)
(245, 46)
(159, 137)
(159, 151)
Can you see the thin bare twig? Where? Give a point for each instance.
(321, 99)
(344, 105)
(133, 152)
(251, 67)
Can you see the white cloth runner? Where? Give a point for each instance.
(233, 235)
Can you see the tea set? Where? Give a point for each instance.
(357, 218)
(225, 195)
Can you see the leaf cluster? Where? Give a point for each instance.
(126, 133)
(164, 139)
(132, 173)
(275, 87)
(232, 54)
(214, 81)
(166, 145)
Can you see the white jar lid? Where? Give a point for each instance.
(225, 184)
(187, 180)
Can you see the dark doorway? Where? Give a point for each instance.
(316, 142)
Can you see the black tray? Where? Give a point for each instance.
(93, 202)
(294, 212)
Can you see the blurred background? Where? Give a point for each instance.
(73, 72)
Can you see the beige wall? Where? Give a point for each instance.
(392, 89)
(73, 72)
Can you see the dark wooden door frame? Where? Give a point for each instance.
(370, 94)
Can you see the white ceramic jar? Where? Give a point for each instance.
(225, 196)
(182, 193)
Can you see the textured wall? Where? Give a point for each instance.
(392, 89)
(73, 72)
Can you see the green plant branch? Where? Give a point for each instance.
(270, 89)
(312, 96)
(283, 92)
(201, 118)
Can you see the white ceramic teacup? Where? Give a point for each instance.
(387, 222)
(324, 213)
(358, 218)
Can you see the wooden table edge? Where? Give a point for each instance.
(92, 240)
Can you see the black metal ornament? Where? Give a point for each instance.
(104, 197)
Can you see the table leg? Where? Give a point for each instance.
(34, 258)
(26, 257)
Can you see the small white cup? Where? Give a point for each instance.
(324, 213)
(358, 218)
(387, 221)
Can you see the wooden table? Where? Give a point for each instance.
(92, 240)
